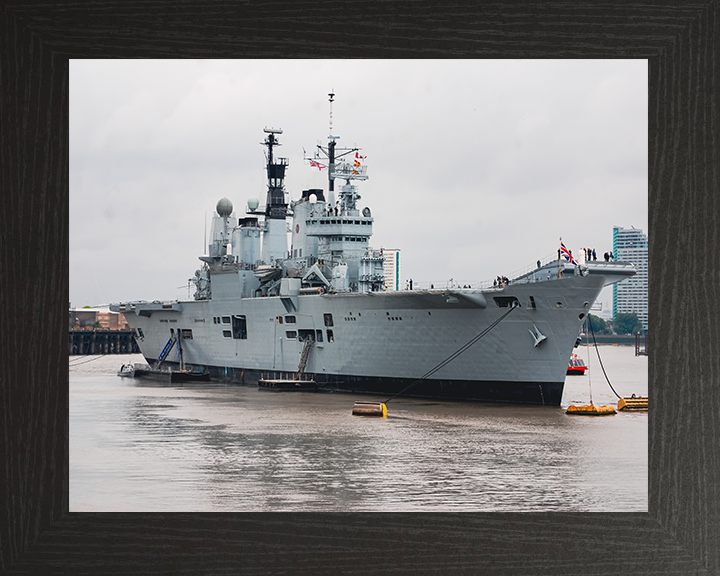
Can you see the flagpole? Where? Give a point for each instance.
(560, 260)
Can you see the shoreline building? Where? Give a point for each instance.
(392, 268)
(87, 317)
(631, 295)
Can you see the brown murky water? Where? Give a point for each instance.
(139, 445)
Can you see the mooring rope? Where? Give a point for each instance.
(456, 353)
(86, 361)
(598, 355)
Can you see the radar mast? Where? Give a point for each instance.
(346, 170)
(275, 207)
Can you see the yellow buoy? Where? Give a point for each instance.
(370, 409)
(633, 403)
(590, 410)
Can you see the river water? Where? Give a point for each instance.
(141, 445)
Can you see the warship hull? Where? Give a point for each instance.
(382, 342)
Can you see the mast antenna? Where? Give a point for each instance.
(331, 101)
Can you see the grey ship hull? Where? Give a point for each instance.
(381, 342)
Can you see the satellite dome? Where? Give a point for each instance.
(253, 203)
(224, 207)
(313, 198)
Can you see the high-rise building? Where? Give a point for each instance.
(631, 295)
(392, 268)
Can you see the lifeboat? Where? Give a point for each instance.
(265, 272)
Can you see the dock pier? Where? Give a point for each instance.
(99, 341)
(641, 344)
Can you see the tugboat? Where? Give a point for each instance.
(265, 312)
(576, 367)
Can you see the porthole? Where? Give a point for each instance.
(582, 316)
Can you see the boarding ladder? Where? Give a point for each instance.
(304, 357)
(165, 352)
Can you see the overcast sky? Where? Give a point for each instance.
(476, 167)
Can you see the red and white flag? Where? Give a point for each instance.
(566, 254)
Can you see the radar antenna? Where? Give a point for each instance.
(345, 170)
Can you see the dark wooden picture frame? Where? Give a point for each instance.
(681, 531)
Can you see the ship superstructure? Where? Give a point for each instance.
(316, 308)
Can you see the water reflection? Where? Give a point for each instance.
(144, 445)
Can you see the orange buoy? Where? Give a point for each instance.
(590, 410)
(370, 409)
(634, 403)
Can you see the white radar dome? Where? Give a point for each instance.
(253, 203)
(224, 208)
(312, 198)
